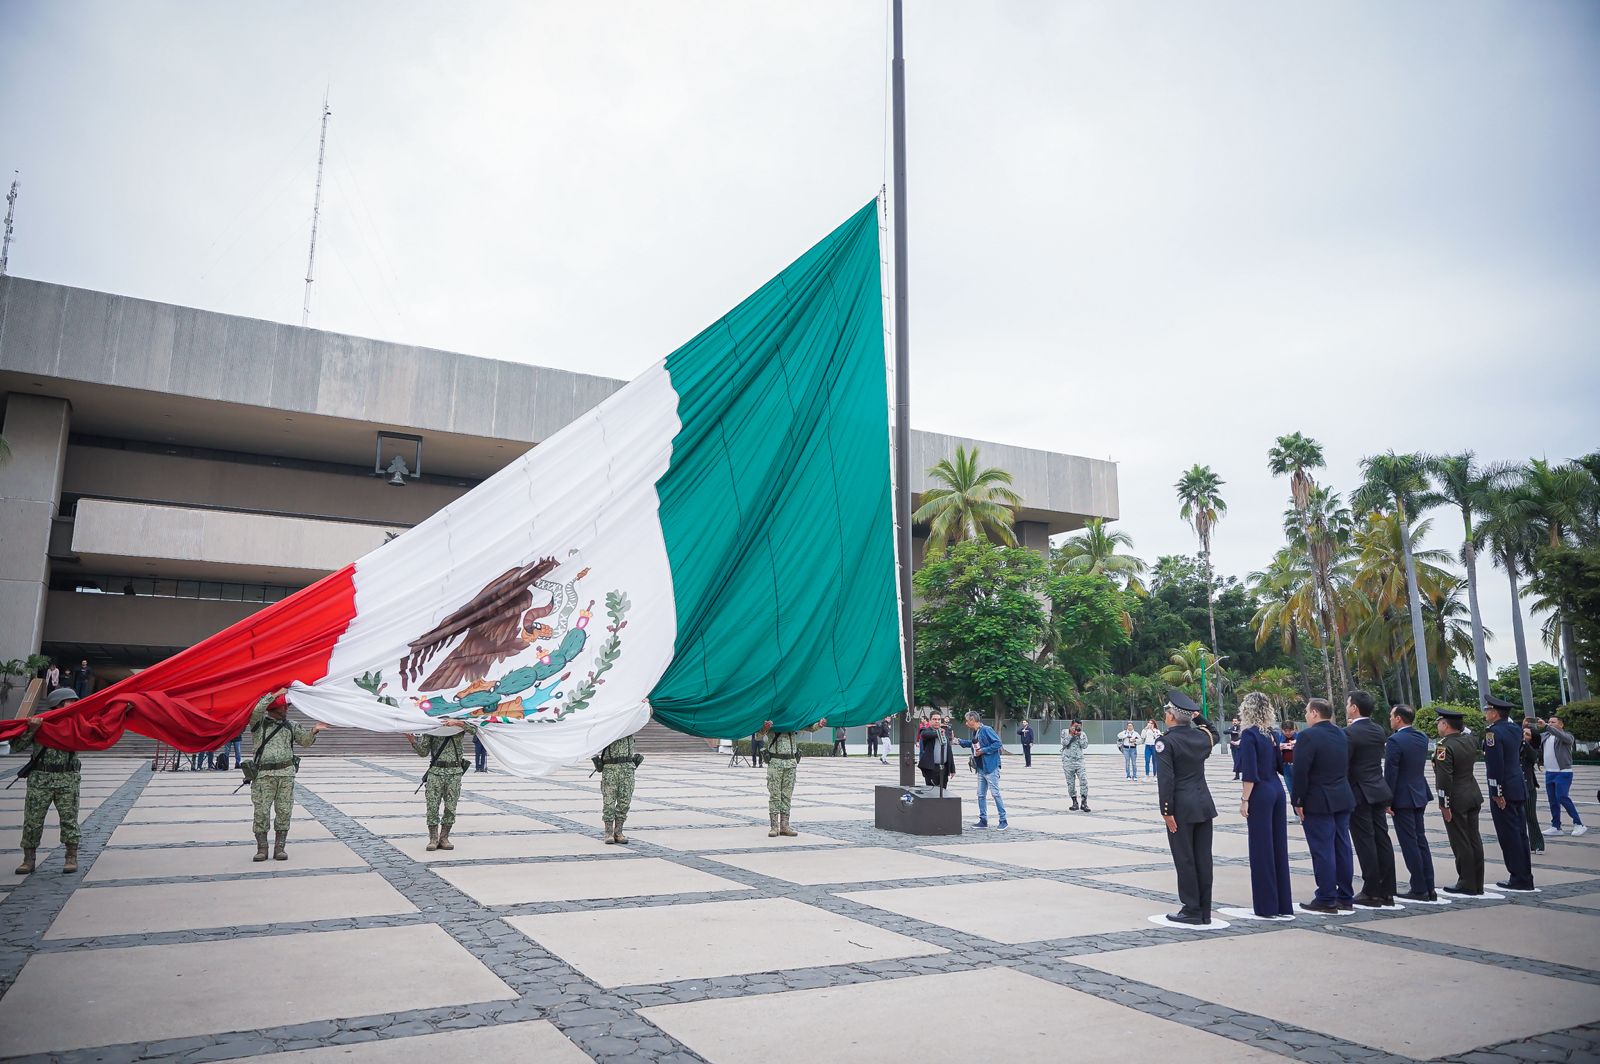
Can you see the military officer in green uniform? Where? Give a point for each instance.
(53, 777)
(1460, 800)
(275, 736)
(617, 764)
(441, 781)
(782, 751)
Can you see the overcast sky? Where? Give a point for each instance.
(1162, 233)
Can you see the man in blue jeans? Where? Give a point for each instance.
(1558, 747)
(985, 745)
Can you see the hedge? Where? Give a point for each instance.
(742, 746)
(1582, 719)
(1428, 718)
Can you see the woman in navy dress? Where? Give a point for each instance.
(1264, 808)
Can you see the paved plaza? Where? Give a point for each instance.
(704, 940)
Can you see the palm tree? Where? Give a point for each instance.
(1560, 498)
(1507, 532)
(1464, 484)
(1322, 532)
(1400, 481)
(1287, 592)
(1450, 632)
(1098, 551)
(1295, 456)
(970, 503)
(1187, 663)
(1200, 492)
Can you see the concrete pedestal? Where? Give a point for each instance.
(916, 810)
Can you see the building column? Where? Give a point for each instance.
(35, 428)
(1035, 535)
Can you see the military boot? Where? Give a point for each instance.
(784, 828)
(774, 832)
(444, 838)
(433, 837)
(1074, 805)
(1086, 808)
(611, 832)
(280, 850)
(27, 861)
(70, 865)
(261, 846)
(618, 835)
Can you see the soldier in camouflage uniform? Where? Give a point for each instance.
(52, 780)
(782, 751)
(1074, 744)
(446, 765)
(617, 764)
(272, 791)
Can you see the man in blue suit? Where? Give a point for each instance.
(1323, 800)
(1405, 762)
(1502, 764)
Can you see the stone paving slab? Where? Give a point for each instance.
(470, 824)
(858, 864)
(176, 861)
(504, 847)
(1024, 1019)
(1051, 855)
(621, 947)
(1519, 930)
(744, 838)
(206, 831)
(1230, 884)
(1574, 853)
(1223, 843)
(410, 807)
(222, 798)
(1015, 910)
(536, 1041)
(639, 877)
(1251, 972)
(654, 818)
(185, 814)
(1075, 823)
(146, 909)
(142, 993)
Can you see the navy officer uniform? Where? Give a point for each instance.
(1405, 758)
(1323, 800)
(1508, 791)
(1186, 804)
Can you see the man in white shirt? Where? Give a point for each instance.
(1147, 739)
(1128, 743)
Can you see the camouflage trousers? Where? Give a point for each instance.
(616, 791)
(443, 790)
(44, 790)
(780, 786)
(269, 795)
(1077, 778)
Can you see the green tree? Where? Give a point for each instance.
(1086, 623)
(1399, 481)
(1507, 531)
(1546, 680)
(1184, 668)
(981, 629)
(1098, 550)
(1461, 482)
(1202, 506)
(970, 502)
(1295, 456)
(1279, 686)
(1570, 577)
(1322, 531)
(1560, 496)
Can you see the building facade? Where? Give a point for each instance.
(173, 470)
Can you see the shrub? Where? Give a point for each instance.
(742, 746)
(1428, 718)
(1582, 719)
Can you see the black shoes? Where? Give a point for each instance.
(1086, 808)
(1325, 908)
(1509, 886)
(1368, 901)
(1419, 895)
(1184, 918)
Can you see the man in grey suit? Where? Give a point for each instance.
(1369, 822)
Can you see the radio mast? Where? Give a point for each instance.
(316, 214)
(11, 214)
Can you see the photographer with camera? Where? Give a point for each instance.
(1074, 744)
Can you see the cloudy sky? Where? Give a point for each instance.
(1162, 233)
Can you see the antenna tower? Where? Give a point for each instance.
(11, 213)
(316, 214)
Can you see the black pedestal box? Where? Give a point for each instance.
(916, 811)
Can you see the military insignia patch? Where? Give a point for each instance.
(1488, 739)
(1442, 754)
(1161, 744)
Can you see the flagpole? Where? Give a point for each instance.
(902, 402)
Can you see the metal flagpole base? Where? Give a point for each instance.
(916, 810)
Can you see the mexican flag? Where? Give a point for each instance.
(713, 545)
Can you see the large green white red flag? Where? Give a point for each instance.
(714, 545)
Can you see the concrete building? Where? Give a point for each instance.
(173, 469)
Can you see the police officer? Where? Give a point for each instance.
(617, 764)
(1502, 763)
(53, 776)
(1186, 805)
(447, 763)
(1460, 800)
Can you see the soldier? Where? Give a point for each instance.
(447, 763)
(1459, 801)
(1186, 804)
(782, 751)
(617, 764)
(272, 786)
(1074, 744)
(1502, 764)
(53, 776)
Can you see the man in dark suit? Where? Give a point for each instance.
(1186, 806)
(1369, 821)
(1404, 761)
(1322, 800)
(1502, 764)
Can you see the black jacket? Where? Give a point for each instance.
(1181, 774)
(1322, 770)
(1366, 739)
